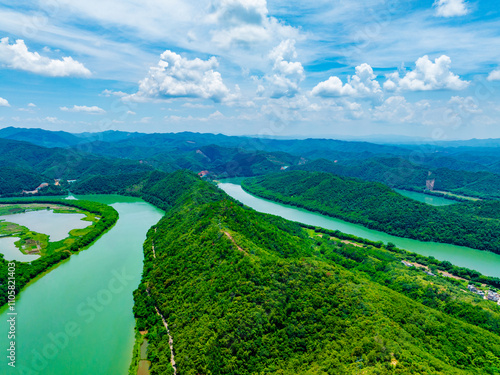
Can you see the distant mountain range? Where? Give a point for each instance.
(464, 167)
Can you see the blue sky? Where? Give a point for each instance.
(283, 68)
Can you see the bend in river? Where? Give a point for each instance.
(486, 262)
(78, 319)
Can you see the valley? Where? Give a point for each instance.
(258, 292)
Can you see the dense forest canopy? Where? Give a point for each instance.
(470, 169)
(244, 292)
(376, 206)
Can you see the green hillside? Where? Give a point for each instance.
(401, 173)
(376, 206)
(249, 293)
(25, 166)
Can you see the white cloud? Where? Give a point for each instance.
(196, 105)
(31, 105)
(179, 77)
(451, 8)
(94, 110)
(52, 120)
(4, 102)
(352, 110)
(132, 113)
(17, 56)
(287, 74)
(466, 105)
(107, 93)
(394, 109)
(362, 84)
(243, 23)
(215, 116)
(494, 75)
(144, 120)
(427, 75)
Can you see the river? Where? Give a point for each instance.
(485, 262)
(77, 319)
(426, 198)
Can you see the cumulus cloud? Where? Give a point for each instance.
(426, 76)
(467, 105)
(394, 109)
(4, 102)
(31, 105)
(94, 110)
(352, 110)
(17, 56)
(287, 74)
(179, 77)
(451, 8)
(494, 75)
(362, 84)
(242, 23)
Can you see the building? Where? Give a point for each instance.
(492, 296)
(472, 288)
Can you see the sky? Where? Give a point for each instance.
(319, 68)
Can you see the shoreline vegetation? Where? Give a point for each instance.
(376, 206)
(58, 251)
(233, 283)
(32, 242)
(231, 316)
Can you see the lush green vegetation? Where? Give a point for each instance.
(376, 206)
(24, 166)
(400, 173)
(58, 250)
(470, 171)
(433, 263)
(245, 292)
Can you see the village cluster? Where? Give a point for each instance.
(489, 294)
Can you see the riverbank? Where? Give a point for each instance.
(485, 262)
(90, 294)
(28, 271)
(377, 207)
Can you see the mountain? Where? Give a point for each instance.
(376, 206)
(401, 173)
(40, 137)
(25, 166)
(244, 293)
(460, 170)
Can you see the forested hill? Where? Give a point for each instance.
(463, 171)
(24, 166)
(249, 293)
(401, 173)
(376, 206)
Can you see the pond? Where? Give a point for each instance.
(56, 225)
(77, 319)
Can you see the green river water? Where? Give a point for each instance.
(485, 262)
(77, 319)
